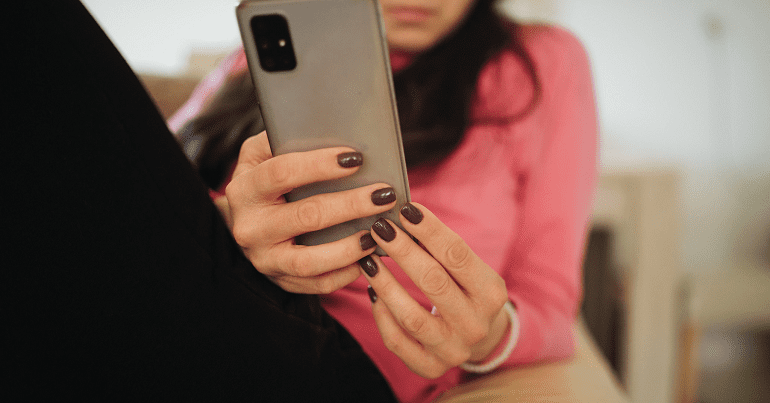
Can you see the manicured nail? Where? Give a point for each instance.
(350, 160)
(370, 268)
(367, 242)
(412, 213)
(384, 230)
(372, 294)
(384, 196)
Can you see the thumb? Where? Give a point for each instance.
(254, 151)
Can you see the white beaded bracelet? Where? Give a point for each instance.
(512, 339)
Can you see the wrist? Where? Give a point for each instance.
(495, 341)
(503, 348)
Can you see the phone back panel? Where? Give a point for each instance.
(339, 94)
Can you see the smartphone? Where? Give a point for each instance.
(322, 75)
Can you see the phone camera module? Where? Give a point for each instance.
(274, 46)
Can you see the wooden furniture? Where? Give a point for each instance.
(734, 300)
(739, 297)
(640, 206)
(169, 93)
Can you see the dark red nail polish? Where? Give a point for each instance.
(412, 213)
(369, 266)
(384, 230)
(384, 196)
(350, 160)
(372, 294)
(367, 242)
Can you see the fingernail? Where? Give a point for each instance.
(383, 196)
(372, 294)
(367, 242)
(384, 230)
(350, 160)
(370, 268)
(412, 213)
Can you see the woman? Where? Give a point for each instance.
(499, 130)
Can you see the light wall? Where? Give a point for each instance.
(157, 36)
(687, 82)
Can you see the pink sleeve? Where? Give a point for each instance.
(543, 272)
(203, 93)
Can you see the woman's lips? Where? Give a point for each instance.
(409, 15)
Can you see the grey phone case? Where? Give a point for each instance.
(339, 94)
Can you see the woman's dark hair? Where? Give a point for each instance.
(213, 139)
(434, 95)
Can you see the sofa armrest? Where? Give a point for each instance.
(586, 377)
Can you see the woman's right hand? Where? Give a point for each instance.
(264, 225)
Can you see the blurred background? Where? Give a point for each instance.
(682, 223)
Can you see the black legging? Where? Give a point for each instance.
(120, 280)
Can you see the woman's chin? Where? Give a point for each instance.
(410, 43)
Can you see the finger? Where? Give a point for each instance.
(426, 272)
(322, 284)
(475, 277)
(413, 318)
(312, 261)
(325, 210)
(279, 175)
(413, 354)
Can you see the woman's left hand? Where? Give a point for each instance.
(467, 294)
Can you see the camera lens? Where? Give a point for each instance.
(273, 42)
